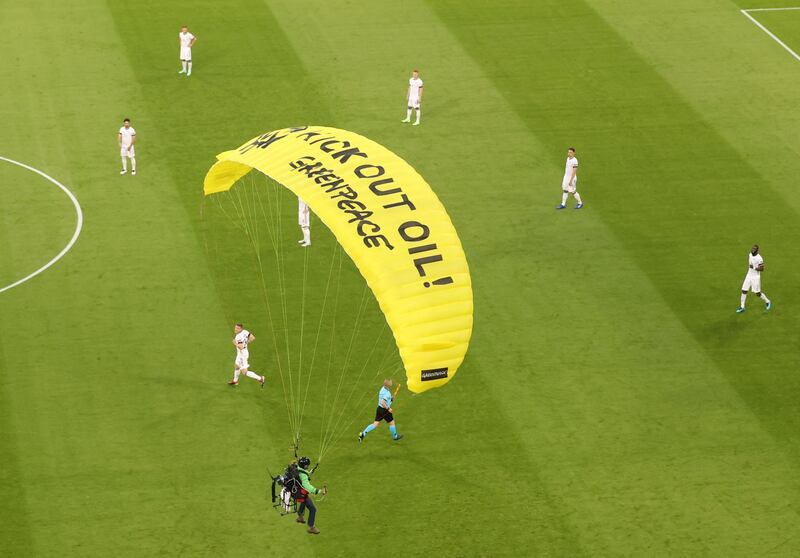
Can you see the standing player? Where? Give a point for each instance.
(241, 340)
(569, 184)
(126, 140)
(383, 412)
(752, 281)
(304, 220)
(186, 41)
(414, 97)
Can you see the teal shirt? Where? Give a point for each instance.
(386, 396)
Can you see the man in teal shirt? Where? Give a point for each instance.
(383, 412)
(305, 500)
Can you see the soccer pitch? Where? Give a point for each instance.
(611, 402)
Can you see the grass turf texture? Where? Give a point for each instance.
(608, 381)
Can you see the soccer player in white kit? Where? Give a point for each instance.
(569, 184)
(414, 97)
(241, 339)
(186, 41)
(304, 220)
(126, 139)
(752, 281)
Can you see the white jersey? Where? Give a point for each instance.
(572, 163)
(186, 39)
(303, 213)
(752, 281)
(127, 135)
(753, 262)
(242, 337)
(414, 87)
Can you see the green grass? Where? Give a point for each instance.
(611, 403)
(40, 225)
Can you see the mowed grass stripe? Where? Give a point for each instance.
(345, 517)
(496, 245)
(683, 186)
(520, 345)
(246, 70)
(744, 90)
(31, 133)
(39, 221)
(189, 144)
(15, 533)
(783, 24)
(365, 89)
(672, 180)
(630, 383)
(114, 414)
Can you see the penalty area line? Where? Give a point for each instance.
(75, 235)
(767, 31)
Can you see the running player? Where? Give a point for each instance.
(414, 97)
(126, 140)
(242, 338)
(569, 184)
(186, 40)
(383, 412)
(752, 281)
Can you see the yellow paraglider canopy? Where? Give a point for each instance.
(391, 224)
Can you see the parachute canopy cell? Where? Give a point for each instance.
(391, 224)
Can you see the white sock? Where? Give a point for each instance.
(133, 164)
(183, 64)
(307, 235)
(408, 114)
(744, 297)
(190, 68)
(577, 197)
(564, 198)
(419, 113)
(236, 375)
(764, 298)
(251, 374)
(124, 163)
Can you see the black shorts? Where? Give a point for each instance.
(383, 414)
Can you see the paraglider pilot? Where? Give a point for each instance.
(305, 500)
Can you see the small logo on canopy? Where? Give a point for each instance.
(434, 374)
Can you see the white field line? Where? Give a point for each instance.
(767, 31)
(75, 235)
(770, 9)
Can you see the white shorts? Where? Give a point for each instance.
(413, 102)
(569, 188)
(186, 54)
(752, 282)
(123, 151)
(242, 358)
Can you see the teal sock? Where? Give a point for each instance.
(393, 430)
(369, 429)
